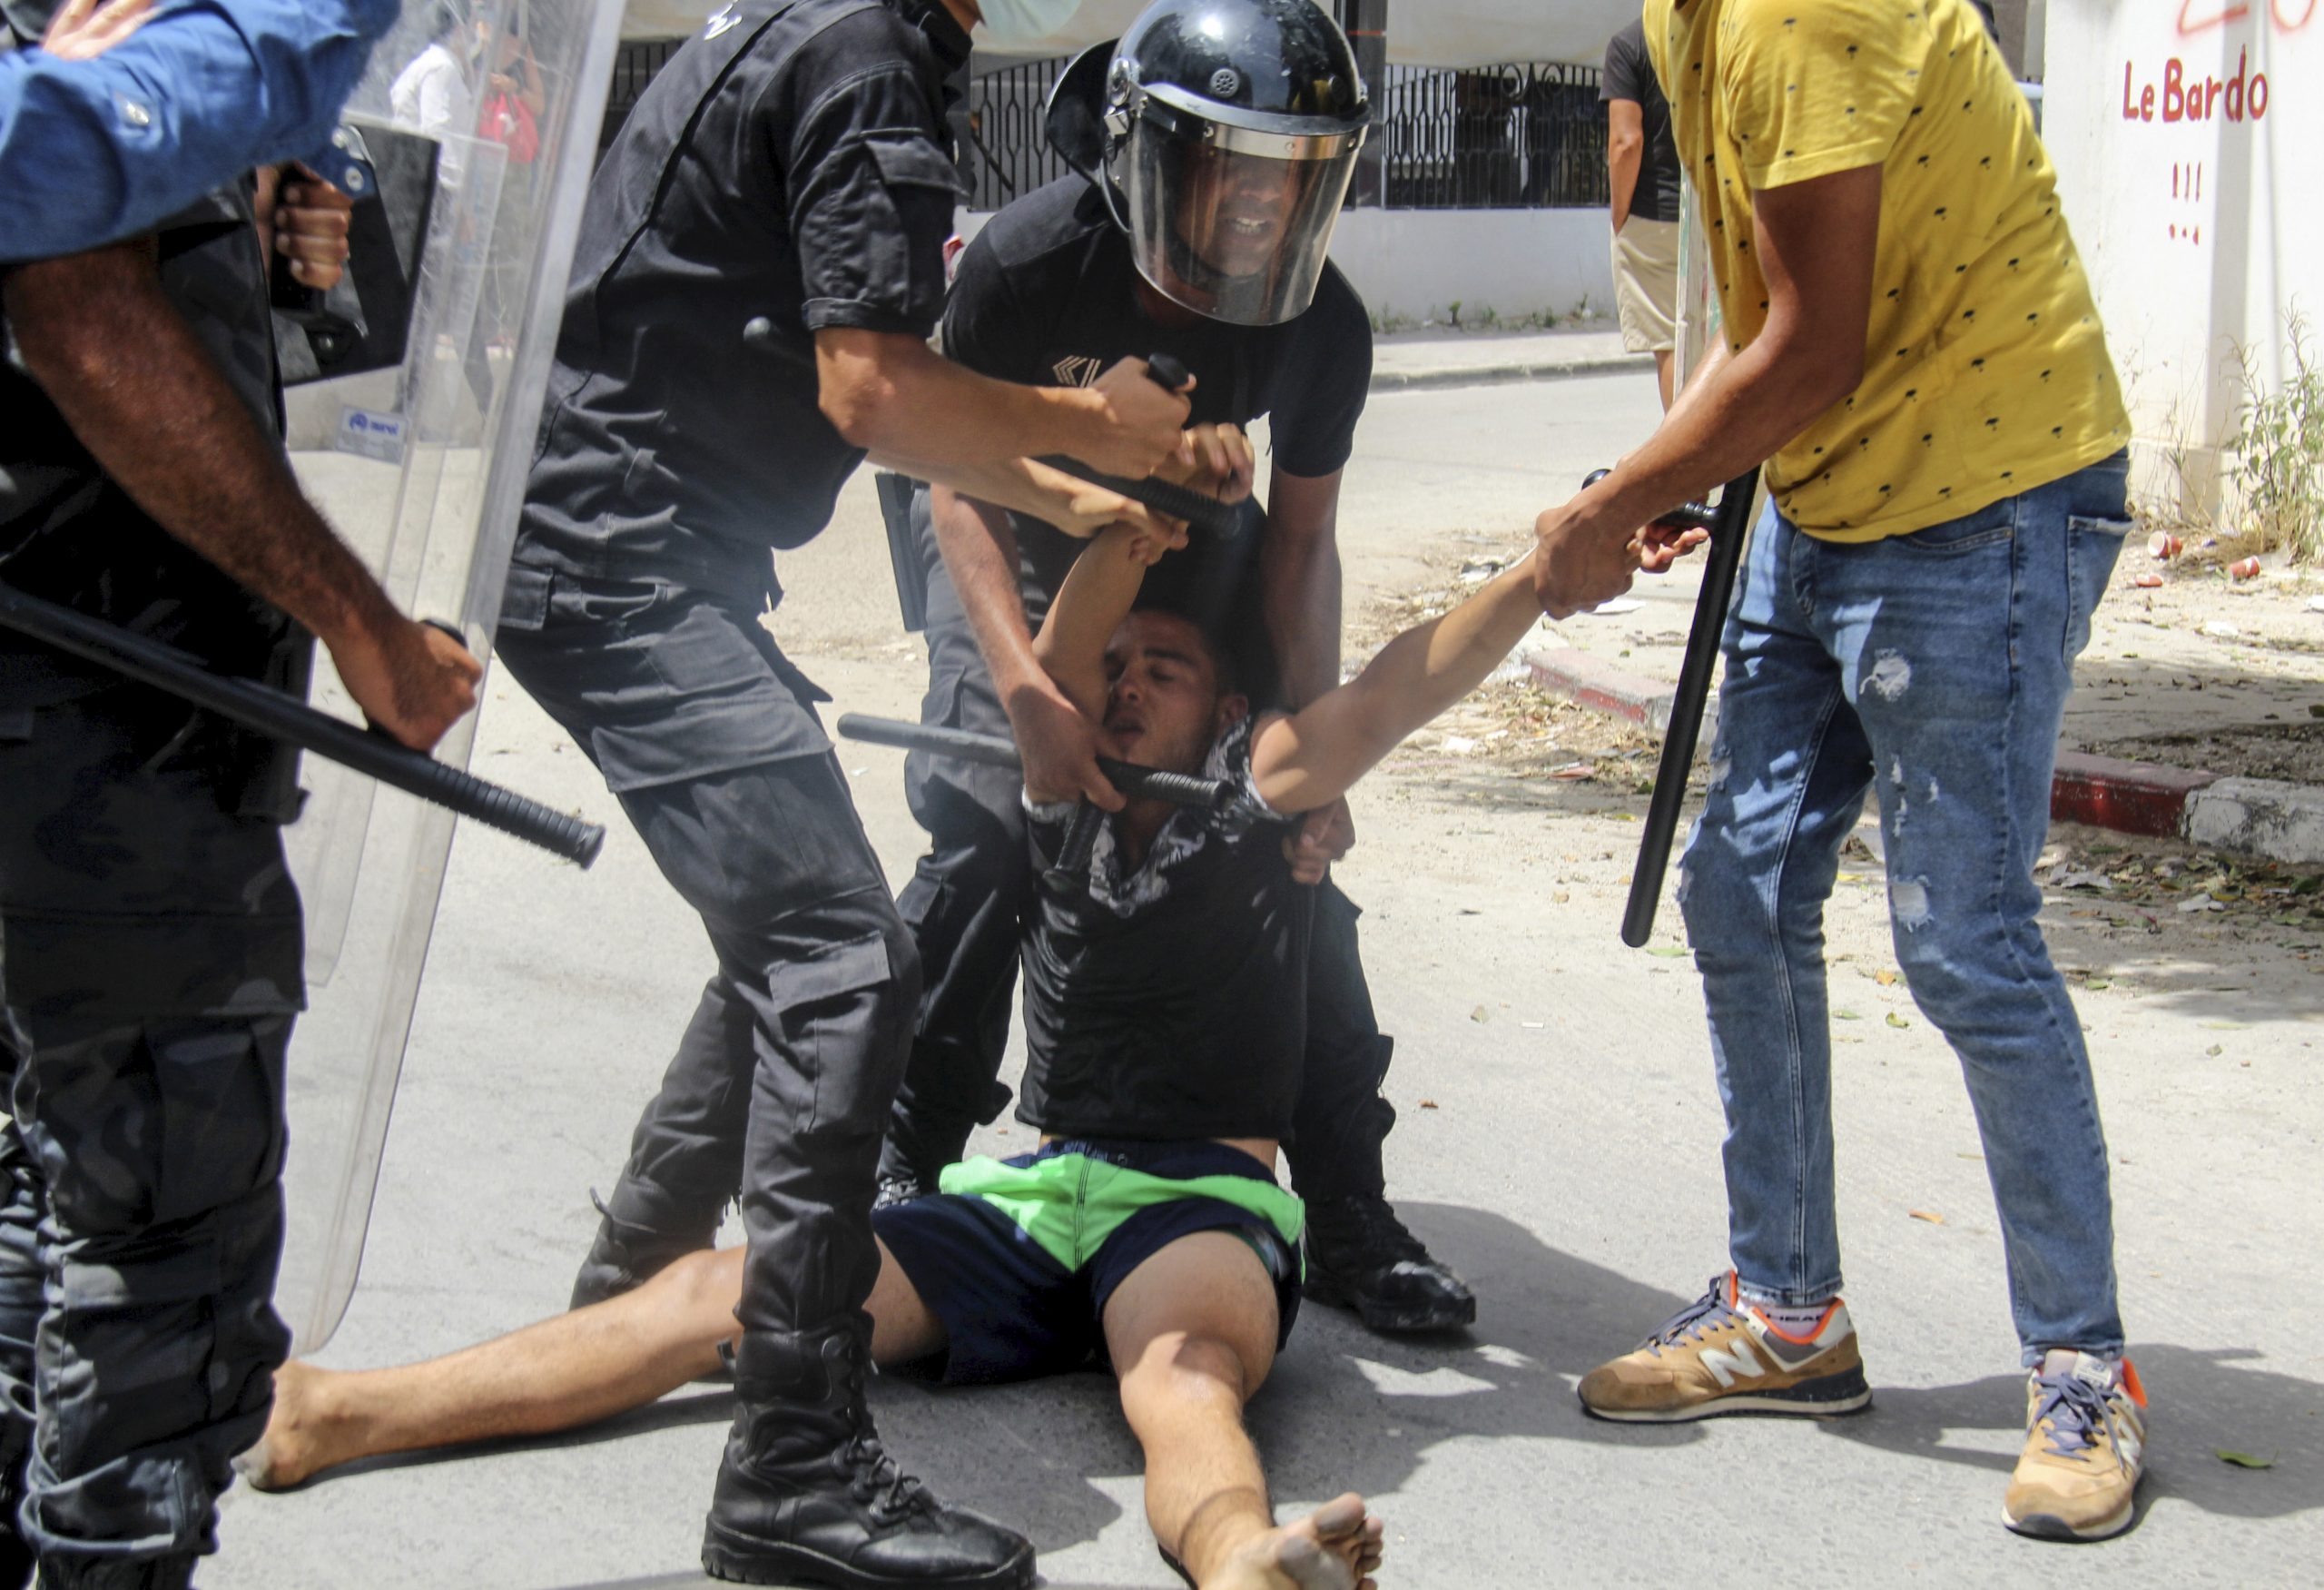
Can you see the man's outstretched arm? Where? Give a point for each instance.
(1312, 758)
(140, 390)
(1816, 241)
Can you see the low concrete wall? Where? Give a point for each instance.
(1412, 265)
(1415, 264)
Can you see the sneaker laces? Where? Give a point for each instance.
(1705, 1314)
(2077, 1411)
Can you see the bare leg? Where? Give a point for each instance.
(562, 1373)
(1192, 1333)
(1662, 357)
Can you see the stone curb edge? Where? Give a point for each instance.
(2257, 816)
(1485, 375)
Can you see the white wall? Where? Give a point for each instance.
(1413, 264)
(2198, 214)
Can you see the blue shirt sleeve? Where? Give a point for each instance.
(97, 151)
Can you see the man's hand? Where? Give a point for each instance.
(1325, 835)
(82, 30)
(411, 680)
(309, 226)
(1581, 558)
(1057, 744)
(1137, 426)
(1213, 460)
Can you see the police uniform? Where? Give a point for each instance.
(150, 960)
(1048, 295)
(789, 166)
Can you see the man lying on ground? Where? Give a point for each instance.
(1164, 1004)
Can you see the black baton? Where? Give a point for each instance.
(1204, 513)
(1727, 524)
(1183, 789)
(278, 717)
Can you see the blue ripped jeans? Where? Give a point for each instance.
(1932, 667)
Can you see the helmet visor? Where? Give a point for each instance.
(1225, 225)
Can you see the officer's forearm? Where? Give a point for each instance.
(979, 549)
(141, 393)
(894, 396)
(1299, 583)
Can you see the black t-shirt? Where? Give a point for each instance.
(1047, 295)
(1629, 75)
(791, 163)
(1169, 1004)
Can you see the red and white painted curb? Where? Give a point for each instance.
(2258, 817)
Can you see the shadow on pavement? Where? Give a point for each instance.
(2203, 1405)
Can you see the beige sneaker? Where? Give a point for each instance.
(2086, 1447)
(1719, 1356)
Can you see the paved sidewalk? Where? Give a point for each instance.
(1404, 360)
(2148, 673)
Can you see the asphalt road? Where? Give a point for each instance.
(1559, 1144)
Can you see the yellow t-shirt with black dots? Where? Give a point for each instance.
(1985, 367)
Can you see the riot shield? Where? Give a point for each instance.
(481, 120)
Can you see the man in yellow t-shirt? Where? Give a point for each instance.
(1910, 347)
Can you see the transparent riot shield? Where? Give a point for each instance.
(479, 124)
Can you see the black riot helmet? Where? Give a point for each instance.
(1221, 135)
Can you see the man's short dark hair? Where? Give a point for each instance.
(1227, 666)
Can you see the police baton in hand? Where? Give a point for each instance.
(1204, 512)
(1728, 524)
(1157, 784)
(279, 716)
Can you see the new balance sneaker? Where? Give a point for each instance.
(1719, 1354)
(2086, 1447)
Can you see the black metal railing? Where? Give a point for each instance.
(634, 65)
(1528, 134)
(1004, 155)
(1523, 135)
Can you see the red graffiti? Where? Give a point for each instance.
(2219, 16)
(2197, 98)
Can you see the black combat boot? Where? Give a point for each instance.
(807, 1496)
(172, 1572)
(625, 1256)
(1360, 1256)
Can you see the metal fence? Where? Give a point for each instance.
(634, 65)
(1003, 152)
(1525, 135)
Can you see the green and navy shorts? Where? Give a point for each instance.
(1019, 1257)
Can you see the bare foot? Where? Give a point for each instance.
(289, 1452)
(1335, 1547)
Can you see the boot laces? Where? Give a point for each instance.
(2077, 1411)
(1367, 1222)
(877, 1479)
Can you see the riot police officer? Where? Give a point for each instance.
(150, 933)
(760, 266)
(1214, 142)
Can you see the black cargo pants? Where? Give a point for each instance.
(151, 965)
(782, 1082)
(969, 893)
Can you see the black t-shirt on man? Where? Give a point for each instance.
(1169, 1002)
(1047, 295)
(1629, 75)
